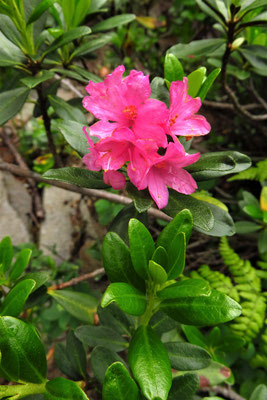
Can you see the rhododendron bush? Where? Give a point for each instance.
(141, 131)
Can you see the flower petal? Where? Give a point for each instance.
(181, 181)
(102, 129)
(115, 179)
(158, 189)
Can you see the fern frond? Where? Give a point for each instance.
(217, 281)
(241, 270)
(260, 360)
(258, 173)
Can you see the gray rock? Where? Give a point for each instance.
(57, 229)
(11, 224)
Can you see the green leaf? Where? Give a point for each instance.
(21, 263)
(194, 335)
(33, 81)
(160, 256)
(186, 356)
(246, 227)
(262, 241)
(195, 80)
(259, 393)
(73, 133)
(208, 218)
(65, 111)
(216, 164)
(77, 176)
(65, 38)
(39, 278)
(186, 288)
(173, 69)
(141, 247)
(182, 222)
(6, 253)
(150, 364)
(118, 384)
(157, 272)
(127, 297)
(10, 54)
(76, 354)
(64, 389)
(113, 22)
(197, 48)
(214, 374)
(184, 387)
(113, 317)
(11, 102)
(256, 55)
(206, 85)
(101, 336)
(161, 323)
(159, 90)
(252, 5)
(16, 298)
(101, 358)
(176, 255)
(64, 364)
(91, 45)
(82, 306)
(86, 74)
(23, 355)
(117, 261)
(194, 308)
(39, 10)
(141, 198)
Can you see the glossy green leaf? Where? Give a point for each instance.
(206, 85)
(64, 389)
(76, 354)
(6, 253)
(176, 255)
(11, 102)
(113, 317)
(160, 256)
(159, 90)
(74, 135)
(10, 54)
(186, 288)
(150, 364)
(216, 164)
(199, 309)
(186, 356)
(195, 80)
(40, 278)
(21, 263)
(127, 297)
(101, 336)
(63, 362)
(39, 10)
(118, 384)
(65, 38)
(89, 76)
(113, 22)
(91, 45)
(22, 353)
(259, 393)
(157, 272)
(65, 111)
(184, 387)
(141, 198)
(173, 69)
(141, 247)
(77, 176)
(161, 323)
(117, 261)
(81, 305)
(244, 227)
(197, 48)
(248, 6)
(182, 222)
(194, 336)
(16, 298)
(100, 359)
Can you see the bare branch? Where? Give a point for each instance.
(257, 96)
(75, 281)
(100, 194)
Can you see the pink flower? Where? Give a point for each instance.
(157, 172)
(125, 103)
(182, 119)
(115, 179)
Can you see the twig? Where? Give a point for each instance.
(77, 280)
(47, 125)
(229, 106)
(102, 194)
(37, 203)
(227, 392)
(257, 96)
(69, 85)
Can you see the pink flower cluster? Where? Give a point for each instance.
(142, 132)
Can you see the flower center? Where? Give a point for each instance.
(173, 119)
(160, 165)
(130, 112)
